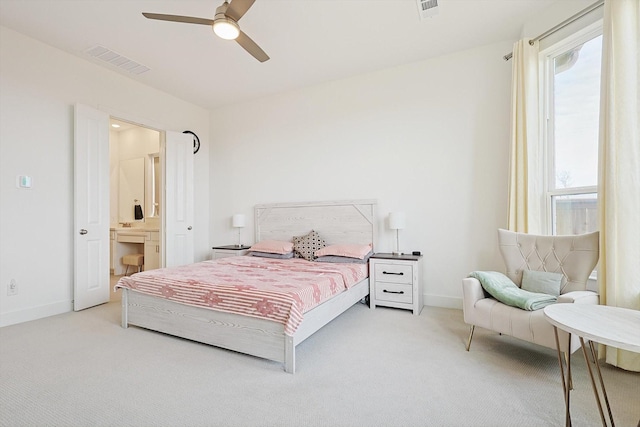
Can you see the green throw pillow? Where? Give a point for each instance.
(541, 282)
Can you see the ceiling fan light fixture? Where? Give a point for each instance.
(223, 25)
(226, 28)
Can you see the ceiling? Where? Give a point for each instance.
(309, 41)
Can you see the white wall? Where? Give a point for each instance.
(39, 86)
(430, 139)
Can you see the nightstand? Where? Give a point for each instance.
(229, 250)
(394, 281)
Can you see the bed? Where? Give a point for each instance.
(338, 222)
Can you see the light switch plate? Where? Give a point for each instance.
(24, 181)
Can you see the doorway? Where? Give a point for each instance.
(92, 212)
(134, 199)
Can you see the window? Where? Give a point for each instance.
(572, 102)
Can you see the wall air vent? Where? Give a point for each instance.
(115, 59)
(427, 8)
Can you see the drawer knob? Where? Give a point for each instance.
(392, 292)
(397, 274)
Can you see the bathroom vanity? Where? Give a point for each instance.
(134, 240)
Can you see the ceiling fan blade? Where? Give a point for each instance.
(251, 47)
(178, 18)
(237, 8)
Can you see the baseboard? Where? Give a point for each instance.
(442, 301)
(34, 313)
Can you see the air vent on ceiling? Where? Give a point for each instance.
(427, 8)
(115, 59)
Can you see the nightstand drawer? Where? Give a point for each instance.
(394, 273)
(393, 292)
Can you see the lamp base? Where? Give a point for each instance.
(396, 253)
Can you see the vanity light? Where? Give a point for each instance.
(238, 221)
(397, 222)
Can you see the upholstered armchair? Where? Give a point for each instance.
(574, 257)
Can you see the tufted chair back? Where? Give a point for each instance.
(574, 257)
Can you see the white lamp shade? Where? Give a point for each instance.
(238, 221)
(396, 220)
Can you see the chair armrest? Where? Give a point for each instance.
(580, 297)
(472, 292)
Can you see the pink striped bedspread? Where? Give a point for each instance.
(274, 289)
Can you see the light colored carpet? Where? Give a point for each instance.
(381, 367)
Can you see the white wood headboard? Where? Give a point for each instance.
(337, 222)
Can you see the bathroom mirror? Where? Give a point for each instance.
(131, 185)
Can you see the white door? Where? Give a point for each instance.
(178, 199)
(91, 201)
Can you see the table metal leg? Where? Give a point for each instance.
(567, 355)
(565, 383)
(593, 382)
(567, 420)
(604, 390)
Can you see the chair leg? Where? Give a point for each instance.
(470, 337)
(126, 270)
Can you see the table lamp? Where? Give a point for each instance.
(238, 221)
(396, 222)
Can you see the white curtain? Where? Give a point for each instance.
(619, 166)
(524, 203)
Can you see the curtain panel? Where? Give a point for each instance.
(524, 203)
(619, 166)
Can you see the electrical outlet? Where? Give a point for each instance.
(12, 289)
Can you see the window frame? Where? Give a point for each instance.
(547, 158)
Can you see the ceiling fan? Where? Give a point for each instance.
(224, 23)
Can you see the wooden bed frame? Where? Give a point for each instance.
(338, 222)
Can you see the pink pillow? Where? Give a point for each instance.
(272, 247)
(351, 251)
